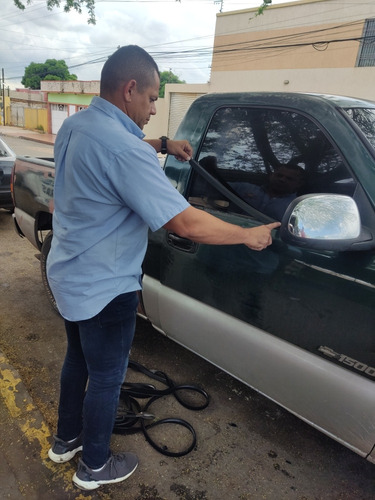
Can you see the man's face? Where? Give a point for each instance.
(285, 180)
(142, 104)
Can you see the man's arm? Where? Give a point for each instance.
(181, 150)
(201, 227)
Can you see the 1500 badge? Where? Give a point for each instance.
(342, 358)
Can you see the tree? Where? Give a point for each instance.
(90, 6)
(167, 77)
(68, 6)
(264, 5)
(52, 69)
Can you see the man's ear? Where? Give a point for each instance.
(128, 89)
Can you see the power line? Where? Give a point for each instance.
(165, 53)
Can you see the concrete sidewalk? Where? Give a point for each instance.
(31, 135)
(25, 469)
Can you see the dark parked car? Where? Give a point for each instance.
(7, 159)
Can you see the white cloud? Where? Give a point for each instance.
(179, 34)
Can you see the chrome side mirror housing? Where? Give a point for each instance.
(325, 222)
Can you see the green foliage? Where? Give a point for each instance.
(52, 69)
(264, 5)
(68, 6)
(90, 6)
(167, 77)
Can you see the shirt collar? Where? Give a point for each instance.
(110, 109)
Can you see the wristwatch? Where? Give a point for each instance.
(164, 139)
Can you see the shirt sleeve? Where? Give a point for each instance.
(142, 185)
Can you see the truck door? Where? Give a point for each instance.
(319, 301)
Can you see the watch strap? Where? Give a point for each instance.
(163, 149)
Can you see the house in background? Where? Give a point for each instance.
(65, 98)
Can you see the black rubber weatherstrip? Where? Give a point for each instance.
(228, 192)
(130, 413)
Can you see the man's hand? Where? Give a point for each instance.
(181, 150)
(260, 237)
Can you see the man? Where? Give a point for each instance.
(273, 198)
(109, 189)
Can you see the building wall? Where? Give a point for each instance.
(304, 46)
(28, 98)
(36, 119)
(158, 125)
(24, 101)
(310, 46)
(298, 48)
(352, 82)
(75, 99)
(71, 87)
(17, 116)
(172, 108)
(5, 114)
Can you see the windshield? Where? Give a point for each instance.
(365, 119)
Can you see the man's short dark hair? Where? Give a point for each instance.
(128, 63)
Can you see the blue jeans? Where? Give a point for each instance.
(94, 368)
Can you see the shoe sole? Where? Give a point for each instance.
(65, 457)
(93, 485)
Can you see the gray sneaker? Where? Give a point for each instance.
(62, 451)
(117, 468)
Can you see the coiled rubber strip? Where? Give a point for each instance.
(130, 412)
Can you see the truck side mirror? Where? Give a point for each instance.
(325, 222)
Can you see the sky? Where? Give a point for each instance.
(178, 34)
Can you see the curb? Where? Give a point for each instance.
(9, 131)
(36, 139)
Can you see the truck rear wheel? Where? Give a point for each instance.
(43, 267)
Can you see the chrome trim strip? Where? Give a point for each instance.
(338, 275)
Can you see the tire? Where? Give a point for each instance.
(43, 267)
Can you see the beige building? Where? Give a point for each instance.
(323, 46)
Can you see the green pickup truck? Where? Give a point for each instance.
(296, 321)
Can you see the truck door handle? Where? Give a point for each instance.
(180, 243)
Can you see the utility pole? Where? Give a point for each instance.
(221, 2)
(3, 93)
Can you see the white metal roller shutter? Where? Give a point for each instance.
(180, 103)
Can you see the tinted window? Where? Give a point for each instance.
(268, 157)
(365, 119)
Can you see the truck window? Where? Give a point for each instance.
(365, 119)
(268, 157)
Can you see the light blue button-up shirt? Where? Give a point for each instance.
(109, 189)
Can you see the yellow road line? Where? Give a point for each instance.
(29, 420)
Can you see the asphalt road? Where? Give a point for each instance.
(247, 448)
